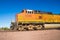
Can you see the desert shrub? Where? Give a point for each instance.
(4, 28)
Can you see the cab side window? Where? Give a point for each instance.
(30, 12)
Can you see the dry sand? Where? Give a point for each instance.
(31, 35)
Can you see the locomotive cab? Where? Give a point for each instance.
(27, 11)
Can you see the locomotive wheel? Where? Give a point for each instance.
(30, 27)
(20, 28)
(34, 28)
(25, 28)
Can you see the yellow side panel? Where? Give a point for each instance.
(37, 18)
(51, 18)
(47, 18)
(56, 18)
(29, 18)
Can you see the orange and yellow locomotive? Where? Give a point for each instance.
(34, 20)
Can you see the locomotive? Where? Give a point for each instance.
(35, 20)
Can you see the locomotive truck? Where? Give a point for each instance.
(35, 20)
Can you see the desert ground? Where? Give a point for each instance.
(30, 35)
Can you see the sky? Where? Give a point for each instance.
(9, 8)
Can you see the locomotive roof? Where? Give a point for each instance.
(37, 11)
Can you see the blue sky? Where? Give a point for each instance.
(9, 8)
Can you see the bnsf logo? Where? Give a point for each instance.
(40, 17)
